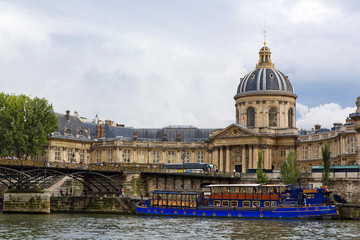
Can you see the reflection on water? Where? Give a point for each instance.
(98, 226)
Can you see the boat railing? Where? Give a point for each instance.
(246, 196)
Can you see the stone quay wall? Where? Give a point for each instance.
(30, 202)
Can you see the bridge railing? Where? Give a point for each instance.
(21, 162)
(109, 167)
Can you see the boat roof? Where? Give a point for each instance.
(233, 185)
(246, 185)
(173, 192)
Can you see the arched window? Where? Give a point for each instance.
(290, 118)
(272, 117)
(250, 117)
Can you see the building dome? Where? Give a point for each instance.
(265, 78)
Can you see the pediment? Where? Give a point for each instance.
(234, 130)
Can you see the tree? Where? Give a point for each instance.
(326, 163)
(289, 172)
(261, 177)
(25, 125)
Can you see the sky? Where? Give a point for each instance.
(150, 64)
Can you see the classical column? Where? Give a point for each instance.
(251, 156)
(255, 157)
(228, 160)
(208, 157)
(163, 158)
(117, 154)
(216, 157)
(243, 159)
(270, 158)
(221, 162)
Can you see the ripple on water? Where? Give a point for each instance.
(108, 226)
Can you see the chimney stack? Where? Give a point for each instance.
(67, 115)
(102, 131)
(178, 137)
(98, 131)
(317, 127)
(165, 137)
(135, 136)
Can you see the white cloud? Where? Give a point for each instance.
(152, 67)
(325, 115)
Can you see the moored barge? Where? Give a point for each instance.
(243, 201)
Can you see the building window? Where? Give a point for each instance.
(110, 155)
(290, 118)
(200, 156)
(250, 117)
(171, 156)
(272, 117)
(282, 152)
(316, 151)
(156, 156)
(71, 155)
(126, 155)
(98, 156)
(332, 149)
(82, 156)
(141, 156)
(352, 144)
(186, 156)
(57, 154)
(304, 152)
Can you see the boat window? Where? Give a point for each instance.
(273, 203)
(155, 196)
(217, 203)
(216, 189)
(265, 190)
(309, 195)
(256, 203)
(246, 203)
(246, 190)
(234, 189)
(234, 203)
(266, 204)
(225, 203)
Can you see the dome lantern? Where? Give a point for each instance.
(264, 58)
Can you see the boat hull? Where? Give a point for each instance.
(318, 212)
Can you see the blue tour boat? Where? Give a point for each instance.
(243, 201)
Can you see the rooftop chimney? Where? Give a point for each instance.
(67, 115)
(337, 124)
(317, 127)
(178, 137)
(165, 137)
(135, 136)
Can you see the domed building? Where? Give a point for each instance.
(265, 120)
(265, 98)
(265, 104)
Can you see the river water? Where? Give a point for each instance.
(108, 226)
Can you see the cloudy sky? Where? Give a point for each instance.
(158, 63)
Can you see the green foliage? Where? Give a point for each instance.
(289, 172)
(261, 177)
(326, 162)
(25, 125)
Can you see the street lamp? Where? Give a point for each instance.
(263, 151)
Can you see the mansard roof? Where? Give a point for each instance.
(187, 133)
